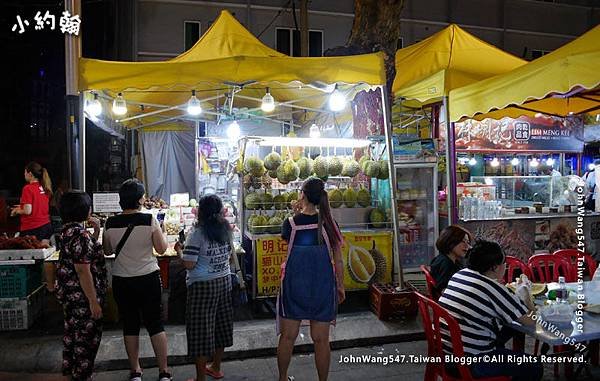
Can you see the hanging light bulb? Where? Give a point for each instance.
(495, 162)
(268, 102)
(94, 107)
(193, 105)
(337, 100)
(119, 105)
(550, 161)
(233, 131)
(314, 131)
(515, 161)
(472, 161)
(534, 163)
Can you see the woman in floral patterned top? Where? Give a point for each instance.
(80, 286)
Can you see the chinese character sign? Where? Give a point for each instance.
(367, 258)
(69, 24)
(522, 134)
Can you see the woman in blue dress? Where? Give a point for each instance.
(312, 278)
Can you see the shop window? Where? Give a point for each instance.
(191, 33)
(536, 53)
(400, 43)
(288, 42)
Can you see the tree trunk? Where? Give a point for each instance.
(376, 28)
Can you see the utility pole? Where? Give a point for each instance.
(304, 28)
(75, 132)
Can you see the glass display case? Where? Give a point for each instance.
(521, 191)
(417, 214)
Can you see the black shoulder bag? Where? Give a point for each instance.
(123, 239)
(590, 202)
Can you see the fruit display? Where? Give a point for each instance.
(380, 264)
(350, 197)
(377, 218)
(172, 227)
(155, 202)
(361, 265)
(336, 198)
(351, 168)
(335, 166)
(363, 197)
(252, 201)
(21, 243)
(371, 168)
(254, 166)
(384, 170)
(272, 161)
(321, 166)
(306, 168)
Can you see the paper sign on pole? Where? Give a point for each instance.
(179, 199)
(106, 203)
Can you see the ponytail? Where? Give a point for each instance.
(46, 182)
(326, 220)
(41, 175)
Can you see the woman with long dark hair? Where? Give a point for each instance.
(312, 278)
(35, 203)
(209, 314)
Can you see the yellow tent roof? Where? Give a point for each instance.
(562, 82)
(428, 70)
(227, 52)
(227, 55)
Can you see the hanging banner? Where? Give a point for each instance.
(522, 134)
(367, 257)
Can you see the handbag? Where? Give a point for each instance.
(123, 239)
(238, 287)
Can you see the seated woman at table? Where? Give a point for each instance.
(453, 243)
(481, 304)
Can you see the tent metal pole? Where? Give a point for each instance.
(196, 162)
(450, 166)
(81, 143)
(387, 127)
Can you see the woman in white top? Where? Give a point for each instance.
(132, 236)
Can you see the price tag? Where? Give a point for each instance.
(106, 203)
(180, 199)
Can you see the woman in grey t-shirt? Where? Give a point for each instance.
(209, 314)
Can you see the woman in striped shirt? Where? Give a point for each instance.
(482, 305)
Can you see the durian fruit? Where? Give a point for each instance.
(321, 166)
(281, 175)
(380, 264)
(275, 223)
(384, 171)
(272, 161)
(377, 218)
(361, 265)
(335, 166)
(265, 181)
(350, 197)
(336, 198)
(290, 170)
(267, 200)
(363, 197)
(306, 167)
(258, 224)
(272, 174)
(256, 182)
(279, 201)
(351, 168)
(254, 166)
(252, 201)
(371, 168)
(362, 161)
(247, 180)
(291, 196)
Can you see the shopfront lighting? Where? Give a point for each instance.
(193, 106)
(534, 163)
(538, 115)
(269, 141)
(550, 161)
(268, 102)
(94, 107)
(495, 162)
(119, 105)
(233, 131)
(314, 132)
(472, 161)
(337, 100)
(515, 161)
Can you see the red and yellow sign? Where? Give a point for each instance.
(367, 258)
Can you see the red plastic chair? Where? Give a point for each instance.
(512, 264)
(572, 256)
(433, 315)
(547, 268)
(431, 286)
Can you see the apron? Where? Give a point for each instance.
(308, 283)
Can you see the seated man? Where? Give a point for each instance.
(481, 305)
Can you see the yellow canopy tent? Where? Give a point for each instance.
(451, 58)
(228, 60)
(561, 83)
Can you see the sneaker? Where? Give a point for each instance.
(135, 376)
(165, 376)
(291, 378)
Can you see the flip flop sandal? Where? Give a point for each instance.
(216, 375)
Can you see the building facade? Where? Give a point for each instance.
(163, 29)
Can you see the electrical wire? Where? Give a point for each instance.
(283, 8)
